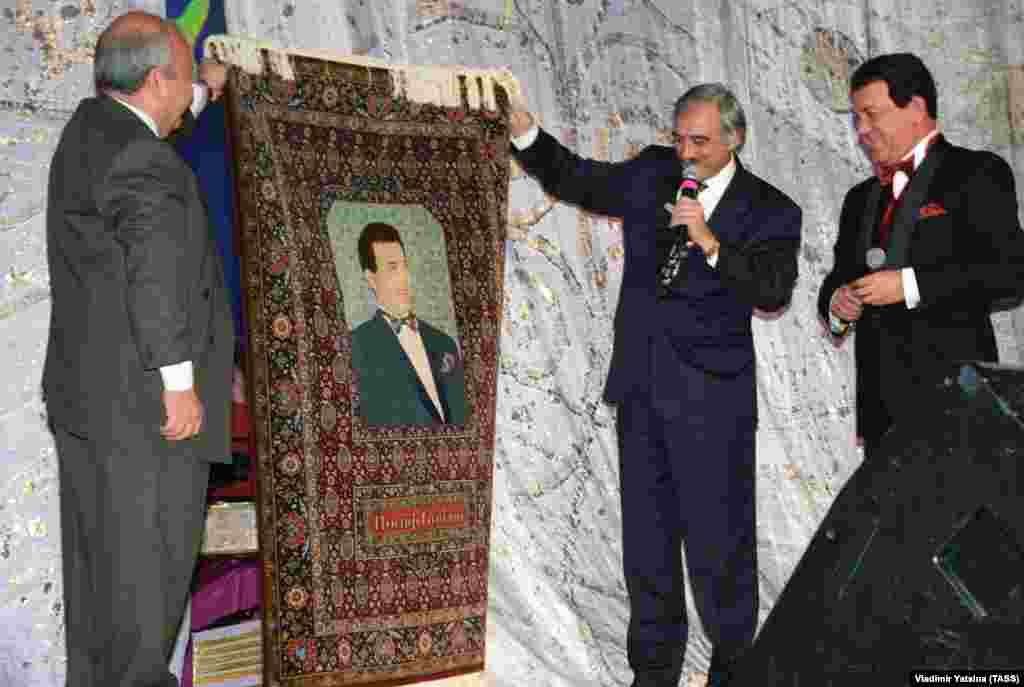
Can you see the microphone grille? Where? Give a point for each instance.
(875, 258)
(689, 169)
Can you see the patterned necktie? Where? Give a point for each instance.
(670, 268)
(397, 323)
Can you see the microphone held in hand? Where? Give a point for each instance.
(669, 270)
(690, 185)
(875, 259)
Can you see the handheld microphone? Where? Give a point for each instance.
(690, 185)
(875, 259)
(669, 270)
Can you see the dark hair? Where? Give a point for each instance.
(376, 232)
(906, 76)
(124, 60)
(731, 116)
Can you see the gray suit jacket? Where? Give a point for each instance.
(136, 283)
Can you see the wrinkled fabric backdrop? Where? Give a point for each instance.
(602, 75)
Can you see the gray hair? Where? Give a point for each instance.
(733, 119)
(124, 61)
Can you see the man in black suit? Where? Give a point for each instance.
(946, 219)
(682, 370)
(137, 376)
(409, 372)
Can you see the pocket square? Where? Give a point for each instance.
(931, 210)
(448, 362)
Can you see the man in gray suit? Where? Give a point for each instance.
(137, 377)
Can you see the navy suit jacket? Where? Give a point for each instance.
(957, 227)
(706, 317)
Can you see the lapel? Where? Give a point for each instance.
(408, 371)
(869, 219)
(669, 176)
(906, 215)
(428, 336)
(733, 205)
(913, 198)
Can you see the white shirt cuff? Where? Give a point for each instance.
(200, 98)
(712, 260)
(527, 139)
(177, 377)
(911, 294)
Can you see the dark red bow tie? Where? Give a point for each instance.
(887, 172)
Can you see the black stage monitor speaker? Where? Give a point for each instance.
(919, 563)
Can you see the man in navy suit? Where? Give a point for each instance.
(409, 372)
(682, 371)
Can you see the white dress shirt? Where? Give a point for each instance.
(179, 376)
(412, 343)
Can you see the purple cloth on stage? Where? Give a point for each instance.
(225, 587)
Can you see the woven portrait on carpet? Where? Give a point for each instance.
(374, 524)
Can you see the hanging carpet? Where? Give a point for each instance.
(374, 529)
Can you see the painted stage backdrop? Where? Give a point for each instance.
(602, 75)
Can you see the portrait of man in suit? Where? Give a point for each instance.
(682, 371)
(408, 372)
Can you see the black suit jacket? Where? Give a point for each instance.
(706, 318)
(958, 228)
(136, 284)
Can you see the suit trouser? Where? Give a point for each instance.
(688, 477)
(130, 533)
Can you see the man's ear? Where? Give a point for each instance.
(154, 78)
(919, 105)
(371, 279)
(737, 140)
